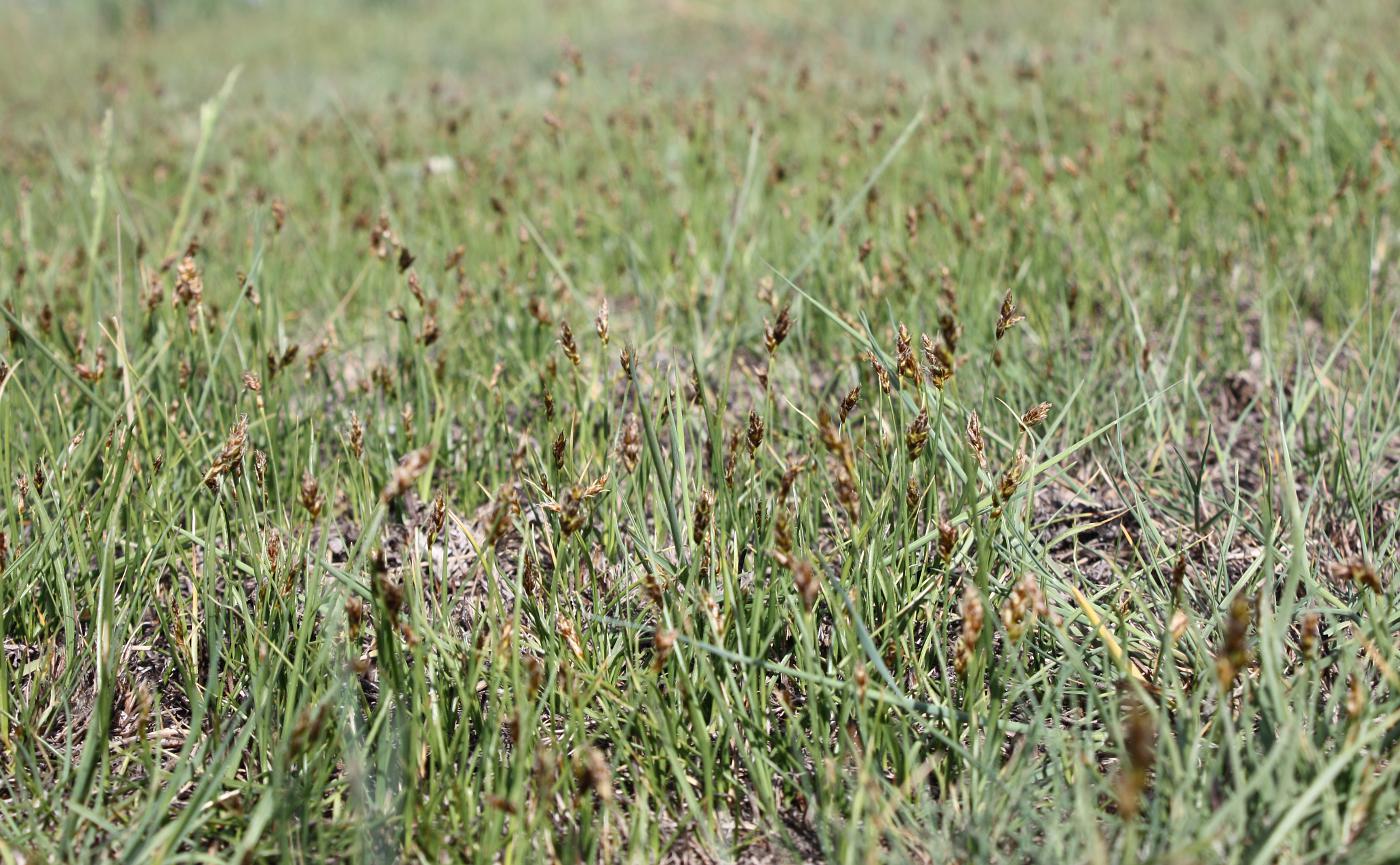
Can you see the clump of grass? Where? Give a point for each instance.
(988, 452)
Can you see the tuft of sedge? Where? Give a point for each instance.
(782, 531)
(654, 588)
(731, 455)
(971, 611)
(1011, 477)
(355, 615)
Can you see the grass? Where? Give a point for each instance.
(511, 434)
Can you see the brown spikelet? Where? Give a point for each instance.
(1234, 650)
(1140, 745)
(595, 776)
(755, 434)
(939, 368)
(663, 644)
(947, 539)
(600, 322)
(904, 354)
(230, 459)
(804, 577)
(406, 472)
(629, 448)
(700, 526)
(437, 517)
(1309, 634)
(566, 342)
(795, 465)
(566, 631)
(357, 436)
(917, 436)
(848, 403)
(972, 620)
(1008, 316)
(776, 332)
(1011, 477)
(1036, 415)
(1023, 607)
(881, 374)
(1357, 571)
(311, 496)
(975, 440)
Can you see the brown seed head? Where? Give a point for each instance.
(972, 621)
(1008, 317)
(1036, 415)
(775, 333)
(311, 497)
(917, 435)
(230, 459)
(904, 354)
(630, 446)
(600, 322)
(566, 342)
(408, 470)
(1309, 634)
(975, 440)
(1357, 571)
(848, 403)
(755, 431)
